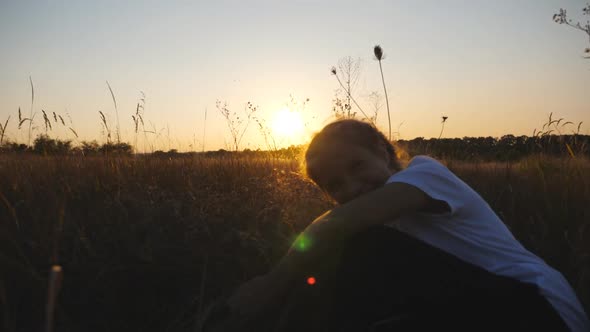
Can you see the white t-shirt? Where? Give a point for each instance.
(474, 233)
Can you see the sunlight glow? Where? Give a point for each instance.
(288, 124)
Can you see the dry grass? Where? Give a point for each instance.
(134, 235)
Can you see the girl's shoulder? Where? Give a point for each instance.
(430, 169)
(424, 160)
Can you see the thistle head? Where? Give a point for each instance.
(378, 52)
(444, 118)
(333, 70)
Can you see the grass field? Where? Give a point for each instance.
(146, 243)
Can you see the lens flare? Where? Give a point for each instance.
(311, 281)
(302, 243)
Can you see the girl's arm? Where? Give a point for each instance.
(327, 234)
(331, 230)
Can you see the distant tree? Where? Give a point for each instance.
(90, 148)
(562, 18)
(14, 147)
(46, 145)
(120, 148)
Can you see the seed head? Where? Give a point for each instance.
(444, 118)
(333, 70)
(378, 52)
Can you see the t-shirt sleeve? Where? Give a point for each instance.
(437, 181)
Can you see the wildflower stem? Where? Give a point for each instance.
(444, 120)
(386, 98)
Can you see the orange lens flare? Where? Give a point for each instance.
(311, 281)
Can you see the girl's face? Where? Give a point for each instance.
(346, 171)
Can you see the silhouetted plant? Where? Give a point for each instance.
(553, 128)
(235, 124)
(31, 114)
(46, 121)
(375, 100)
(105, 127)
(444, 120)
(266, 132)
(118, 131)
(204, 129)
(378, 51)
(562, 18)
(138, 119)
(3, 130)
(342, 110)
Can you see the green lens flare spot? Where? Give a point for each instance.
(302, 243)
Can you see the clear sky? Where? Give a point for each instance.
(492, 67)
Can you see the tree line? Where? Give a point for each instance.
(45, 145)
(505, 148)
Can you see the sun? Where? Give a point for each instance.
(288, 124)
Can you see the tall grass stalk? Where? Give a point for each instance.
(103, 121)
(3, 130)
(31, 112)
(204, 128)
(379, 56)
(118, 131)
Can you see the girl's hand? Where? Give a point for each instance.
(314, 253)
(255, 298)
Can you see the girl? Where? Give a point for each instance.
(412, 248)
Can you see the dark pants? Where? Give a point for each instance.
(387, 280)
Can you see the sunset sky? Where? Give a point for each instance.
(492, 67)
